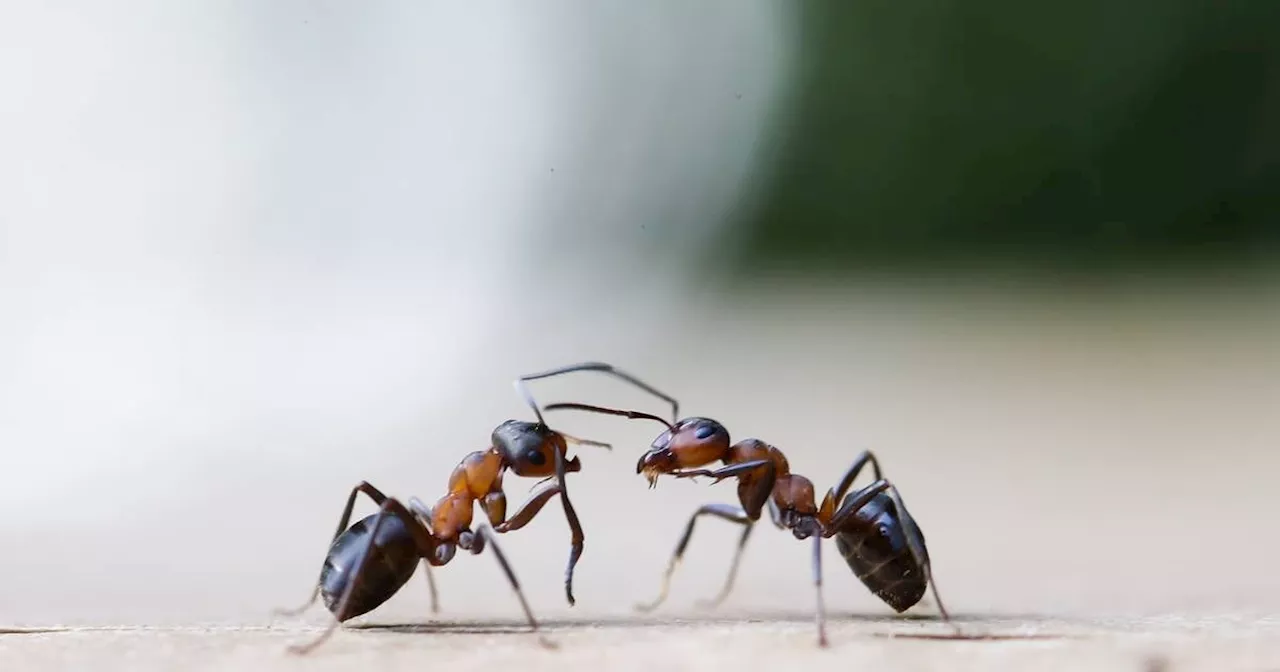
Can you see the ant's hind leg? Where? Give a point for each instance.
(915, 541)
(378, 498)
(423, 512)
(422, 539)
(859, 462)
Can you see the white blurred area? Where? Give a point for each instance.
(253, 253)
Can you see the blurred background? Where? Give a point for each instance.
(253, 253)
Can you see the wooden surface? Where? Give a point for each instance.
(1218, 644)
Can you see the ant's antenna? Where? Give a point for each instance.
(633, 415)
(593, 366)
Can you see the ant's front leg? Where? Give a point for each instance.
(494, 503)
(727, 471)
(754, 490)
(538, 498)
(577, 540)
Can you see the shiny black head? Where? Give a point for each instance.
(529, 448)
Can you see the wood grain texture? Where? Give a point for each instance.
(1220, 644)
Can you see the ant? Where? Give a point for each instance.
(372, 560)
(873, 531)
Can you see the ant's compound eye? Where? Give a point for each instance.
(705, 431)
(884, 531)
(535, 457)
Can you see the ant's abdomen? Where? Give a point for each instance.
(393, 559)
(875, 548)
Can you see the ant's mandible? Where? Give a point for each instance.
(873, 530)
(373, 559)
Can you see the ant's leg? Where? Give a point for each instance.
(538, 497)
(753, 491)
(861, 461)
(775, 514)
(378, 498)
(753, 496)
(476, 543)
(727, 471)
(422, 538)
(424, 512)
(494, 503)
(915, 541)
(821, 613)
(860, 499)
(730, 513)
(575, 528)
(733, 571)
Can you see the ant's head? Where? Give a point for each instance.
(530, 448)
(691, 442)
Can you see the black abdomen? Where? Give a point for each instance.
(874, 545)
(391, 563)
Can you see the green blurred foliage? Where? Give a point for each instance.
(1089, 134)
